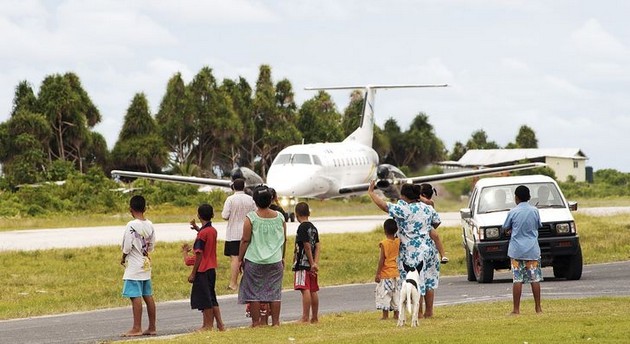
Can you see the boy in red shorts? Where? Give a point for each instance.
(305, 263)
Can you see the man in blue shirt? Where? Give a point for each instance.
(523, 222)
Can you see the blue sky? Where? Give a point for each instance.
(560, 67)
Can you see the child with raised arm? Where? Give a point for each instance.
(306, 263)
(203, 275)
(387, 293)
(138, 242)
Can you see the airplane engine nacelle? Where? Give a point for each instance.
(388, 177)
(251, 178)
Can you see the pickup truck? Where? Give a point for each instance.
(486, 243)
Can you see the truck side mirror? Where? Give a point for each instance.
(573, 206)
(465, 213)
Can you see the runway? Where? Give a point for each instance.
(41, 239)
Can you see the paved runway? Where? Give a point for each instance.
(36, 239)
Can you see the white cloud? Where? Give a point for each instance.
(592, 39)
(210, 11)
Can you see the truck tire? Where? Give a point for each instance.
(484, 270)
(574, 266)
(559, 267)
(469, 266)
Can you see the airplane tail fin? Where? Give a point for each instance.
(365, 132)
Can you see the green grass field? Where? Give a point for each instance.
(597, 320)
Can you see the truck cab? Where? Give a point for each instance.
(486, 242)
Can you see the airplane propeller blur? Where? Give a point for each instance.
(333, 169)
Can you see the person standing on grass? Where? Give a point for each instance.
(261, 257)
(432, 263)
(235, 209)
(203, 276)
(138, 242)
(387, 291)
(414, 224)
(522, 224)
(306, 263)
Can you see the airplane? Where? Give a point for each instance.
(333, 169)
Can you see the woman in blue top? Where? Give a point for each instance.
(414, 222)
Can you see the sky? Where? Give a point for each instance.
(560, 67)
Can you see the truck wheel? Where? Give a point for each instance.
(484, 271)
(574, 266)
(559, 267)
(469, 266)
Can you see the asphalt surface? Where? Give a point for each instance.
(39, 239)
(176, 317)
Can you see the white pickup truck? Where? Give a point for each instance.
(486, 243)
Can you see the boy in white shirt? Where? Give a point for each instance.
(138, 241)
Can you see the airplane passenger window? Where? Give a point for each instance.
(301, 159)
(316, 160)
(282, 159)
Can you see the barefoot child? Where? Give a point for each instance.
(306, 263)
(523, 222)
(203, 275)
(387, 274)
(138, 241)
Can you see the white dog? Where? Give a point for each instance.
(410, 296)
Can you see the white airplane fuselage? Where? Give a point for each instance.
(318, 170)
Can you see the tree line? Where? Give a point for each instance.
(202, 128)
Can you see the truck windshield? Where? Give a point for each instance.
(501, 197)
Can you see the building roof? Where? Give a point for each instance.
(488, 157)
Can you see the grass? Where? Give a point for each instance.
(64, 280)
(596, 320)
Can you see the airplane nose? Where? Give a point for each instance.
(292, 182)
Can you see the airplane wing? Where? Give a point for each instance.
(445, 177)
(171, 178)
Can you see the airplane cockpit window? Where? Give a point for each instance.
(316, 160)
(282, 159)
(301, 159)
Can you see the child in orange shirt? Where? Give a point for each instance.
(387, 290)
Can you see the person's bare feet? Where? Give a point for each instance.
(132, 333)
(204, 328)
(514, 313)
(221, 327)
(314, 321)
(149, 332)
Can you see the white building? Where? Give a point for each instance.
(564, 162)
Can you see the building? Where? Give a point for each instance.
(565, 162)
